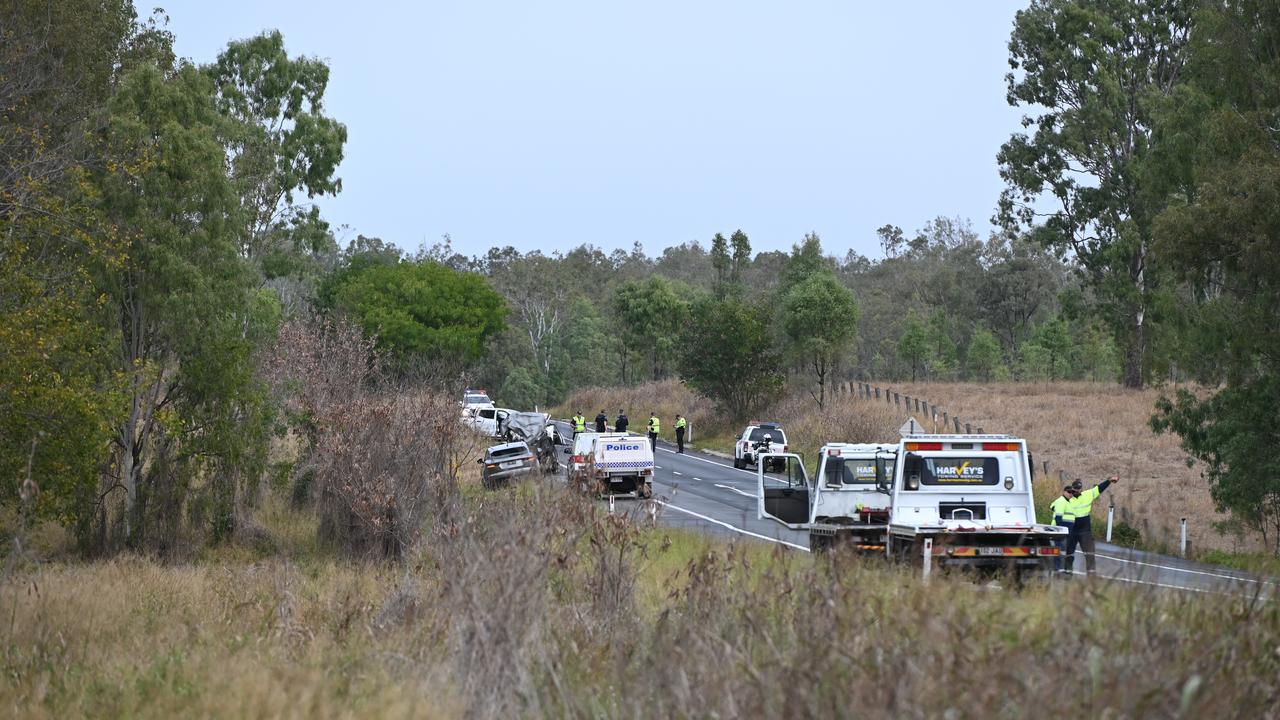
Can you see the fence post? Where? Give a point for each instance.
(897, 400)
(980, 432)
(906, 399)
(946, 418)
(957, 425)
(968, 429)
(1111, 515)
(928, 558)
(877, 393)
(1182, 544)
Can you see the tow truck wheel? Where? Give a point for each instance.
(737, 464)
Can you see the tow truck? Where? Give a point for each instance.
(847, 505)
(968, 500)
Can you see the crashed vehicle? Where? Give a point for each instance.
(502, 463)
(538, 432)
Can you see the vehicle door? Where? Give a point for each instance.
(784, 496)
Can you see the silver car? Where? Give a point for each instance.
(503, 462)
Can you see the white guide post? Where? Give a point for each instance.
(928, 557)
(1182, 545)
(1111, 515)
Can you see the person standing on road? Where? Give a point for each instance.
(579, 423)
(620, 425)
(1062, 517)
(680, 425)
(654, 426)
(601, 421)
(1081, 506)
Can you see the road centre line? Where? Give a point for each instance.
(676, 472)
(731, 527)
(734, 489)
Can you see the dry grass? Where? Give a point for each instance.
(1092, 430)
(539, 605)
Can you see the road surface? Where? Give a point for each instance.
(704, 492)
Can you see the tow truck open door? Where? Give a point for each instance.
(783, 496)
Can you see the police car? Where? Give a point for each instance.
(756, 439)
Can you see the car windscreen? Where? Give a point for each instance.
(509, 452)
(775, 434)
(958, 471)
(477, 400)
(856, 472)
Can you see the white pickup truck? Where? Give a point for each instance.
(968, 498)
(846, 504)
(619, 465)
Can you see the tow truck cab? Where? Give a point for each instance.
(971, 497)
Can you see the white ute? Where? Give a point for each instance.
(619, 465)
(971, 497)
(848, 504)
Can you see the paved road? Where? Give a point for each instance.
(705, 492)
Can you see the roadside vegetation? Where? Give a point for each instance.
(533, 601)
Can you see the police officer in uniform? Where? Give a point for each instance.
(680, 425)
(579, 423)
(620, 425)
(601, 420)
(654, 426)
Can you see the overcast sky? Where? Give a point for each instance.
(549, 125)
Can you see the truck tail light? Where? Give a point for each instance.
(1000, 446)
(924, 446)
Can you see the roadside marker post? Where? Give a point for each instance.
(928, 558)
(1182, 545)
(611, 504)
(1111, 514)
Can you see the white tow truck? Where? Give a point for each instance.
(966, 500)
(846, 505)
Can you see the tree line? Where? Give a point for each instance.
(159, 224)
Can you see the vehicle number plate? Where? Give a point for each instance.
(990, 551)
(511, 464)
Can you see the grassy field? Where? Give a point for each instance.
(1083, 429)
(533, 602)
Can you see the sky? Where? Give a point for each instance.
(547, 125)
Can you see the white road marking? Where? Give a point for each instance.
(732, 527)
(1187, 570)
(734, 489)
(698, 479)
(676, 472)
(712, 462)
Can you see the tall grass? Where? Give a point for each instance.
(534, 602)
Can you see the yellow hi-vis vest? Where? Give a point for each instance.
(653, 425)
(680, 423)
(1061, 507)
(1083, 505)
(579, 423)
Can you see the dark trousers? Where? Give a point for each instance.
(1084, 539)
(653, 441)
(1062, 547)
(680, 439)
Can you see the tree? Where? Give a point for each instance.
(726, 354)
(1220, 236)
(720, 262)
(182, 307)
(806, 260)
(984, 354)
(649, 315)
(913, 345)
(424, 311)
(280, 144)
(1098, 68)
(741, 256)
(1055, 339)
(820, 318)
